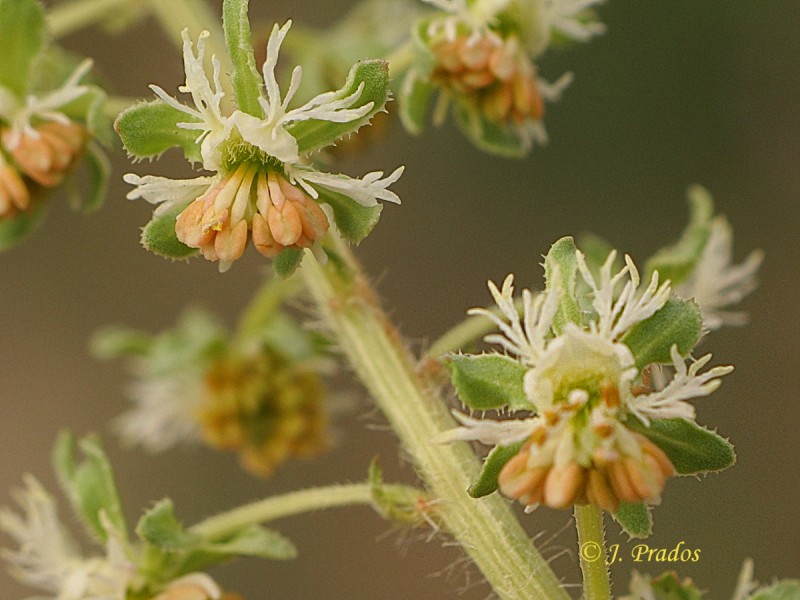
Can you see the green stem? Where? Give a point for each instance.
(73, 15)
(592, 550)
(486, 529)
(282, 506)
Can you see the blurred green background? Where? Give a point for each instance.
(675, 93)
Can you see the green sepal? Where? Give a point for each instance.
(691, 448)
(160, 528)
(414, 98)
(245, 78)
(353, 220)
(424, 58)
(89, 483)
(635, 519)
(488, 381)
(677, 323)
(148, 129)
(677, 261)
(287, 262)
(313, 134)
(90, 109)
(491, 137)
(252, 541)
(14, 229)
(667, 586)
(495, 461)
(98, 170)
(115, 342)
(402, 504)
(159, 236)
(22, 35)
(788, 589)
(563, 257)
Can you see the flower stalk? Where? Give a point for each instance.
(487, 530)
(592, 545)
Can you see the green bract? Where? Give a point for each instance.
(488, 381)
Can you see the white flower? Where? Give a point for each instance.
(166, 193)
(49, 559)
(670, 402)
(563, 16)
(44, 108)
(164, 412)
(716, 283)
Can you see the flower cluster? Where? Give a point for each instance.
(583, 367)
(481, 56)
(264, 188)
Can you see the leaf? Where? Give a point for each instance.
(89, 483)
(159, 236)
(354, 221)
(495, 461)
(667, 586)
(691, 448)
(14, 229)
(414, 98)
(677, 261)
(563, 256)
(148, 129)
(287, 262)
(114, 342)
(245, 78)
(491, 137)
(22, 35)
(253, 541)
(90, 109)
(313, 134)
(160, 528)
(678, 322)
(635, 519)
(788, 589)
(99, 170)
(488, 381)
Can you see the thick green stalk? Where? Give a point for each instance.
(592, 545)
(73, 15)
(282, 506)
(486, 529)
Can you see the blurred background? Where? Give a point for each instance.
(675, 93)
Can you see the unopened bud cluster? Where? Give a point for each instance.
(494, 74)
(252, 199)
(39, 156)
(265, 409)
(579, 454)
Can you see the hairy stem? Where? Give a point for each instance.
(592, 550)
(282, 506)
(486, 529)
(73, 15)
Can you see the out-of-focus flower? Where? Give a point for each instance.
(480, 56)
(580, 367)
(264, 187)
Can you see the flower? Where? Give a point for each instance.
(482, 56)
(48, 558)
(584, 386)
(715, 283)
(263, 188)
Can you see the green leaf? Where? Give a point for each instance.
(14, 229)
(99, 171)
(253, 541)
(313, 134)
(148, 129)
(354, 221)
(414, 98)
(563, 256)
(691, 448)
(788, 589)
(159, 236)
(160, 528)
(677, 261)
(22, 36)
(635, 519)
(114, 342)
(495, 461)
(488, 381)
(491, 137)
(89, 483)
(245, 78)
(678, 323)
(287, 262)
